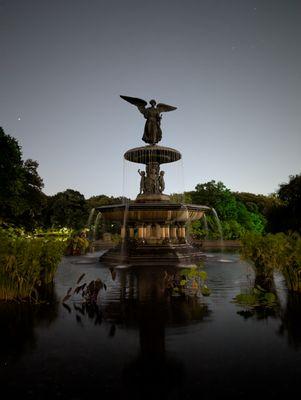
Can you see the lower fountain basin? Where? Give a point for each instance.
(168, 254)
(152, 233)
(153, 212)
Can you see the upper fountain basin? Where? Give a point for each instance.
(152, 153)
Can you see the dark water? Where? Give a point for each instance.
(143, 343)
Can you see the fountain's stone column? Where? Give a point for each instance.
(163, 232)
(132, 234)
(173, 232)
(141, 232)
(167, 231)
(148, 231)
(158, 231)
(180, 232)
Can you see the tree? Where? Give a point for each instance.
(215, 194)
(103, 200)
(21, 196)
(181, 197)
(11, 176)
(286, 216)
(34, 200)
(258, 203)
(235, 218)
(290, 192)
(67, 209)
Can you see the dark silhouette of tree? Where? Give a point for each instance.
(67, 209)
(287, 215)
(103, 200)
(11, 176)
(21, 196)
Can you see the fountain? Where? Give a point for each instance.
(153, 228)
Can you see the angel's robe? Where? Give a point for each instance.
(152, 130)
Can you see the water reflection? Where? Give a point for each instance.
(18, 323)
(148, 303)
(145, 301)
(291, 321)
(143, 339)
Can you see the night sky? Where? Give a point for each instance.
(232, 67)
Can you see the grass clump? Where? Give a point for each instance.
(26, 264)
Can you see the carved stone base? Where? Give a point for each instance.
(152, 198)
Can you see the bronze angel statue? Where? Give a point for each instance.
(152, 129)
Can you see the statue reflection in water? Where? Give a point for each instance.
(148, 301)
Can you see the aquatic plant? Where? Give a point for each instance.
(267, 254)
(274, 252)
(256, 297)
(191, 279)
(88, 291)
(26, 264)
(292, 269)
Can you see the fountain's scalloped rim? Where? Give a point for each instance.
(152, 153)
(159, 212)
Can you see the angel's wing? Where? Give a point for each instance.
(165, 107)
(134, 100)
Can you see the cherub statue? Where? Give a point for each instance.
(161, 182)
(142, 181)
(152, 129)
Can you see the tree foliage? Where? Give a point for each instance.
(67, 209)
(11, 175)
(236, 218)
(103, 200)
(286, 214)
(21, 196)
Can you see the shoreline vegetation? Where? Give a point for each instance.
(274, 253)
(27, 265)
(28, 262)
